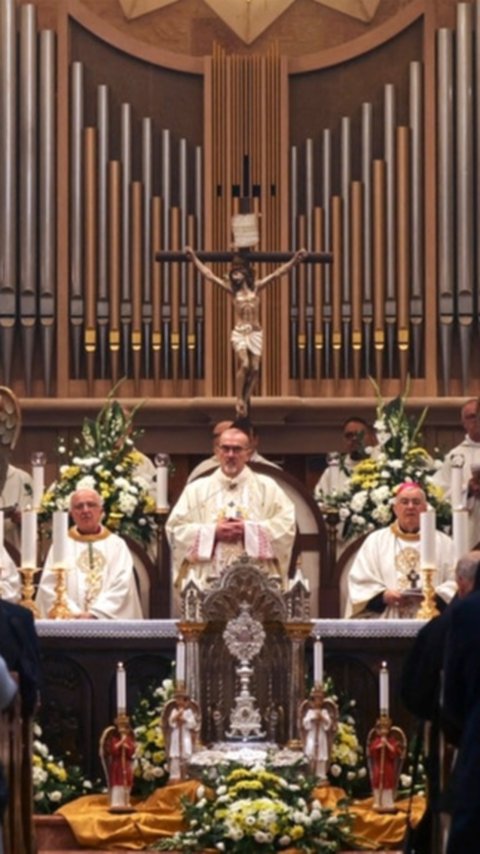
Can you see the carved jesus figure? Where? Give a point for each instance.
(247, 333)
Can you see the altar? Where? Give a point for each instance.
(79, 659)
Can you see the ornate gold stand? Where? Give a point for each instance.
(118, 793)
(428, 609)
(59, 609)
(28, 589)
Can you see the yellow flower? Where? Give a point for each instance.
(297, 831)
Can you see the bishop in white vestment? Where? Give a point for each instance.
(387, 565)
(231, 512)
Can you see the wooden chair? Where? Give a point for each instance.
(16, 759)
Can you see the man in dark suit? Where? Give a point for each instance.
(420, 690)
(461, 710)
(19, 648)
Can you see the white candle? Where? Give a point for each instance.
(162, 481)
(460, 533)
(318, 662)
(334, 471)
(59, 538)
(180, 662)
(38, 477)
(384, 689)
(29, 539)
(456, 486)
(121, 689)
(427, 539)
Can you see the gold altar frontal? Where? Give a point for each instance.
(160, 815)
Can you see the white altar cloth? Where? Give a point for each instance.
(169, 628)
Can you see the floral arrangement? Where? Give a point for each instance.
(104, 458)
(366, 501)
(54, 782)
(347, 767)
(151, 769)
(256, 809)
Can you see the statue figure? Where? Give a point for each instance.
(247, 333)
(386, 747)
(317, 725)
(181, 725)
(117, 750)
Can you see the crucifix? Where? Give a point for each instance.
(247, 334)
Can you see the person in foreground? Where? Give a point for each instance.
(100, 581)
(233, 511)
(461, 719)
(420, 692)
(387, 565)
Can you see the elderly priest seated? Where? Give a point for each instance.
(385, 577)
(100, 581)
(231, 512)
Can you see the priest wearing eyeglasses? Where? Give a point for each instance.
(233, 511)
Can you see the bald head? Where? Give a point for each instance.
(467, 572)
(408, 503)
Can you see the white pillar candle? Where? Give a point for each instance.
(334, 471)
(29, 539)
(384, 689)
(180, 662)
(38, 478)
(456, 485)
(318, 662)
(460, 533)
(59, 538)
(121, 689)
(428, 523)
(161, 462)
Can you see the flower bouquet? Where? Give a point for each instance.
(366, 501)
(151, 769)
(347, 768)
(54, 781)
(104, 458)
(256, 809)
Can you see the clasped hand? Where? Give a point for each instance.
(230, 530)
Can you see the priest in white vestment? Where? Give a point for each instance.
(16, 496)
(231, 512)
(359, 443)
(100, 582)
(387, 566)
(9, 578)
(469, 451)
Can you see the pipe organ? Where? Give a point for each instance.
(102, 169)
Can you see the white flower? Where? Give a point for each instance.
(55, 796)
(335, 770)
(344, 513)
(358, 501)
(405, 780)
(380, 494)
(87, 482)
(200, 793)
(285, 840)
(220, 846)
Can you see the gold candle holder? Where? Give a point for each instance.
(60, 609)
(117, 749)
(27, 574)
(428, 608)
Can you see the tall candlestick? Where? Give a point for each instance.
(162, 462)
(334, 471)
(456, 481)
(38, 460)
(59, 537)
(384, 690)
(427, 539)
(318, 662)
(180, 662)
(29, 539)
(460, 533)
(121, 689)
